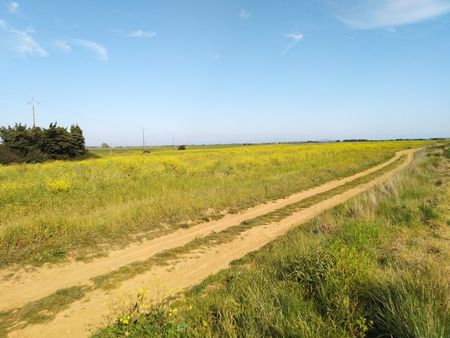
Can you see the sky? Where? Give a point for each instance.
(216, 71)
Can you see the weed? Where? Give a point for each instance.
(90, 204)
(314, 283)
(410, 304)
(40, 311)
(113, 278)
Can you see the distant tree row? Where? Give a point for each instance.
(31, 145)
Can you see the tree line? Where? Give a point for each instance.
(22, 144)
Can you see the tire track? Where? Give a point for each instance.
(85, 315)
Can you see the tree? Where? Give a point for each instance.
(78, 142)
(40, 144)
(58, 143)
(8, 155)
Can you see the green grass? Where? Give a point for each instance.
(45, 309)
(40, 311)
(114, 278)
(376, 266)
(52, 211)
(133, 151)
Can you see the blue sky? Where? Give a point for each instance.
(210, 71)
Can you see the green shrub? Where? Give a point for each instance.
(35, 155)
(8, 155)
(41, 144)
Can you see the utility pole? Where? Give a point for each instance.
(33, 104)
(173, 142)
(143, 139)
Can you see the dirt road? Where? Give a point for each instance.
(89, 313)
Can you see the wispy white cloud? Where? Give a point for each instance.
(98, 49)
(13, 7)
(25, 44)
(372, 14)
(140, 34)
(295, 38)
(244, 14)
(22, 41)
(63, 46)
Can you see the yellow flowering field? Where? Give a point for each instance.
(51, 210)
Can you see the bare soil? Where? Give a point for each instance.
(91, 312)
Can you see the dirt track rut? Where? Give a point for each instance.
(89, 313)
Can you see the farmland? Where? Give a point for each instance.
(141, 225)
(183, 169)
(58, 210)
(374, 266)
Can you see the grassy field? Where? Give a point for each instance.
(376, 266)
(132, 151)
(54, 210)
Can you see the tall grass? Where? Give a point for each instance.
(365, 268)
(51, 209)
(410, 304)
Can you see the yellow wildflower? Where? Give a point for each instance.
(59, 186)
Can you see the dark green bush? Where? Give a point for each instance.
(8, 155)
(31, 145)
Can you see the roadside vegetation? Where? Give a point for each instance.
(44, 309)
(376, 266)
(113, 278)
(52, 210)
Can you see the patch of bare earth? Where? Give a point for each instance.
(89, 313)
